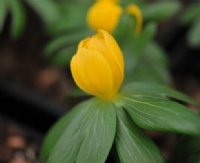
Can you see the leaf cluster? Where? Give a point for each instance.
(92, 128)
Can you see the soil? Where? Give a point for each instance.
(18, 144)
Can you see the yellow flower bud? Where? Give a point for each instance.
(135, 11)
(104, 14)
(98, 65)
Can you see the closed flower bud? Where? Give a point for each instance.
(98, 65)
(104, 14)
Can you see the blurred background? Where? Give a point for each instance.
(38, 39)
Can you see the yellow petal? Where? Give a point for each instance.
(105, 44)
(114, 48)
(92, 73)
(135, 11)
(104, 15)
(98, 66)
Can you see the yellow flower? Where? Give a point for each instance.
(104, 14)
(98, 65)
(135, 11)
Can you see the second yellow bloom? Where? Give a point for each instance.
(106, 14)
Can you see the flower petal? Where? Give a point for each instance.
(113, 47)
(92, 73)
(115, 53)
(135, 11)
(104, 15)
(113, 56)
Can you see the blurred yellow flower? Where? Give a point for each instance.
(98, 66)
(135, 11)
(104, 14)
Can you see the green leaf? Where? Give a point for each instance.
(76, 92)
(132, 145)
(145, 37)
(125, 29)
(99, 135)
(194, 34)
(61, 50)
(156, 113)
(125, 3)
(46, 9)
(192, 13)
(147, 70)
(140, 88)
(63, 57)
(65, 40)
(3, 13)
(160, 11)
(18, 17)
(89, 136)
(66, 150)
(73, 18)
(134, 48)
(56, 131)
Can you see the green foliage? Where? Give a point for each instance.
(132, 145)
(145, 60)
(88, 137)
(191, 16)
(191, 13)
(60, 50)
(152, 66)
(156, 113)
(46, 9)
(58, 128)
(18, 15)
(87, 133)
(160, 11)
(152, 89)
(194, 33)
(73, 19)
(3, 11)
(150, 109)
(15, 7)
(66, 33)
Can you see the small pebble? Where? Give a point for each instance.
(16, 141)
